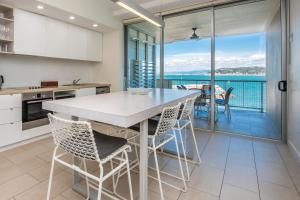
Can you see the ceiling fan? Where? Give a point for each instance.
(194, 36)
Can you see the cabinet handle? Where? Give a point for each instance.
(11, 108)
(11, 123)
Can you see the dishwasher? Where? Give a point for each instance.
(64, 94)
(58, 95)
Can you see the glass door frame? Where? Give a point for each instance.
(212, 51)
(285, 54)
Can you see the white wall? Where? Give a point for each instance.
(25, 71)
(294, 80)
(112, 68)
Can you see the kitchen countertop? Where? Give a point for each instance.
(21, 90)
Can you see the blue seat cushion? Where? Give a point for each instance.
(220, 101)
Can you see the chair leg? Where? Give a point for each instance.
(136, 150)
(113, 177)
(228, 113)
(184, 155)
(129, 176)
(51, 174)
(180, 165)
(100, 183)
(86, 180)
(195, 143)
(158, 173)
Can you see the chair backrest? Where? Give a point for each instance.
(75, 137)
(206, 87)
(188, 108)
(179, 87)
(183, 87)
(167, 120)
(227, 95)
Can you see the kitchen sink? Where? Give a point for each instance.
(79, 84)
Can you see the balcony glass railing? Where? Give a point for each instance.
(250, 94)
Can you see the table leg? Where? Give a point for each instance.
(144, 160)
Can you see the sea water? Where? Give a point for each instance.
(248, 92)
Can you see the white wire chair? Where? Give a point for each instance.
(160, 137)
(185, 120)
(78, 139)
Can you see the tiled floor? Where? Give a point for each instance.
(245, 122)
(233, 168)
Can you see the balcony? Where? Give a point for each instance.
(248, 105)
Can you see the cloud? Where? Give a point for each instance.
(202, 61)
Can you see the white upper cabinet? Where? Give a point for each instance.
(56, 39)
(37, 35)
(94, 46)
(29, 33)
(77, 42)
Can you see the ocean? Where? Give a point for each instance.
(249, 91)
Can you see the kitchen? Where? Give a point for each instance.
(36, 66)
(71, 128)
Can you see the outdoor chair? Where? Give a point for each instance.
(225, 102)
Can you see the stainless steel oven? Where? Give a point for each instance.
(33, 114)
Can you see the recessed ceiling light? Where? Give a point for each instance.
(71, 17)
(95, 25)
(40, 7)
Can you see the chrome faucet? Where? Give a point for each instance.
(76, 81)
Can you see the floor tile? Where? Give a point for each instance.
(193, 194)
(274, 173)
(234, 193)
(16, 186)
(270, 191)
(9, 173)
(42, 173)
(61, 182)
(242, 177)
(5, 163)
(207, 179)
(72, 195)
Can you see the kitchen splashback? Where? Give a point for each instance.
(22, 71)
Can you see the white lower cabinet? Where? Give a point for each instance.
(85, 92)
(10, 101)
(10, 133)
(10, 115)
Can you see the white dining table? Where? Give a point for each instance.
(122, 109)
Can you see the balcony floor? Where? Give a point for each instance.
(245, 122)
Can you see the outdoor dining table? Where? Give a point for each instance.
(122, 109)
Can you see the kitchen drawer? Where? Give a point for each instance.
(10, 115)
(10, 133)
(10, 101)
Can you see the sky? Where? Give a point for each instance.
(231, 51)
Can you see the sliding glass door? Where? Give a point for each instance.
(232, 54)
(187, 59)
(248, 53)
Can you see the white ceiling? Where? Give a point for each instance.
(242, 19)
(57, 13)
(156, 6)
